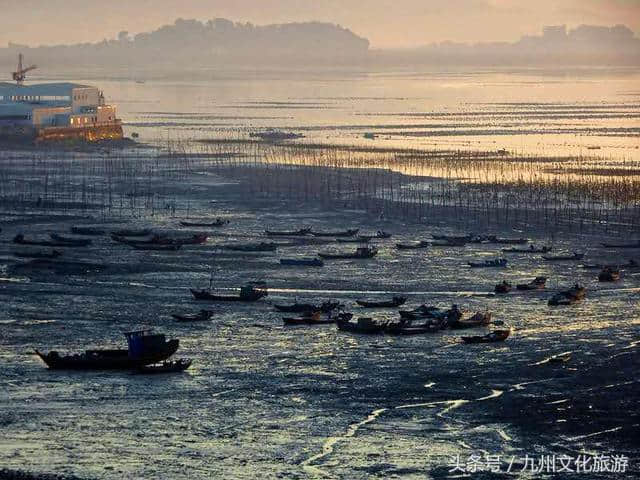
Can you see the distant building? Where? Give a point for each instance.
(56, 111)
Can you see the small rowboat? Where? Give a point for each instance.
(52, 254)
(495, 336)
(413, 246)
(248, 293)
(531, 249)
(20, 240)
(306, 262)
(169, 366)
(218, 223)
(76, 242)
(360, 253)
(345, 233)
(497, 263)
(538, 283)
(324, 307)
(132, 233)
(568, 297)
(202, 316)
(394, 302)
(622, 245)
(87, 231)
(363, 325)
(478, 320)
(158, 248)
(295, 233)
(563, 258)
(310, 319)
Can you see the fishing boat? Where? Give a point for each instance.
(455, 239)
(394, 302)
(538, 283)
(510, 241)
(49, 255)
(353, 240)
(609, 274)
(448, 243)
(622, 245)
(20, 240)
(145, 232)
(76, 242)
(145, 347)
(503, 287)
(423, 311)
(412, 246)
(248, 293)
(531, 249)
(344, 233)
(403, 328)
(360, 253)
(496, 263)
(311, 318)
(324, 307)
(291, 233)
(218, 223)
(568, 297)
(157, 248)
(477, 320)
(252, 247)
(94, 231)
(304, 262)
(201, 316)
(168, 366)
(495, 336)
(362, 325)
(563, 258)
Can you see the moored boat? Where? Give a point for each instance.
(455, 239)
(312, 318)
(495, 336)
(49, 255)
(20, 240)
(360, 253)
(145, 348)
(76, 242)
(291, 233)
(95, 231)
(248, 293)
(563, 258)
(413, 246)
(531, 249)
(324, 307)
(509, 241)
(343, 233)
(157, 248)
(609, 274)
(568, 297)
(305, 262)
(362, 325)
(477, 320)
(217, 223)
(503, 287)
(496, 263)
(144, 232)
(537, 283)
(394, 302)
(622, 245)
(252, 247)
(380, 234)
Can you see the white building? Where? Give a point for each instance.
(47, 108)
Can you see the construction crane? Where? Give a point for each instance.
(20, 74)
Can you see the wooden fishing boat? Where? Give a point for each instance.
(394, 302)
(291, 233)
(496, 263)
(304, 262)
(454, 239)
(360, 253)
(156, 248)
(510, 241)
(504, 287)
(362, 325)
(564, 258)
(20, 240)
(248, 293)
(531, 249)
(412, 246)
(423, 311)
(49, 255)
(622, 245)
(311, 318)
(353, 240)
(132, 233)
(495, 336)
(94, 231)
(201, 316)
(609, 274)
(170, 366)
(477, 320)
(344, 233)
(324, 307)
(592, 266)
(145, 348)
(76, 242)
(407, 330)
(252, 247)
(218, 223)
(538, 283)
(568, 297)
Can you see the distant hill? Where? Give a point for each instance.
(196, 43)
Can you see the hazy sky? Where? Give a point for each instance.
(386, 23)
